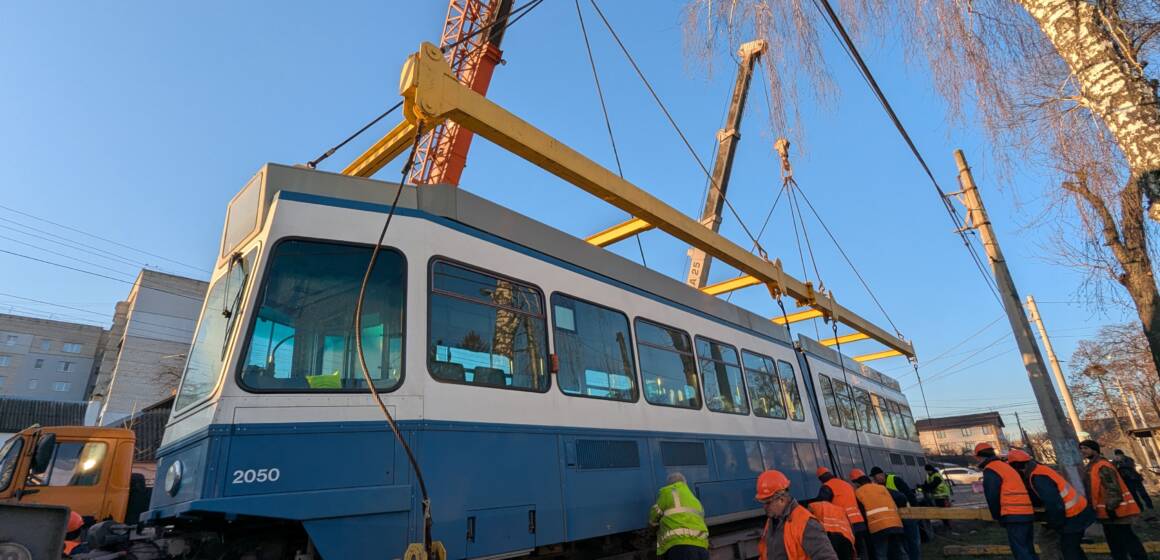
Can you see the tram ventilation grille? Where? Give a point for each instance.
(607, 454)
(682, 453)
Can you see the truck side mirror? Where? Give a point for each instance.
(43, 454)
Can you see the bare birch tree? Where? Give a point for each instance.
(1061, 83)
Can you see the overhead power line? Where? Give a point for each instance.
(105, 239)
(839, 31)
(97, 274)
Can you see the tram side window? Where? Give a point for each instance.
(899, 424)
(789, 386)
(668, 369)
(831, 401)
(882, 412)
(486, 330)
(303, 338)
(846, 404)
(865, 413)
(764, 386)
(592, 344)
(908, 421)
(721, 373)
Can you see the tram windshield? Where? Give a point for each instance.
(302, 338)
(218, 317)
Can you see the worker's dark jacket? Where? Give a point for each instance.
(815, 543)
(1046, 495)
(991, 485)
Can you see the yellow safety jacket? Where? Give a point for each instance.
(679, 518)
(943, 490)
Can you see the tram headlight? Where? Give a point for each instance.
(173, 477)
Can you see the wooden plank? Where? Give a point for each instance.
(951, 513)
(1004, 550)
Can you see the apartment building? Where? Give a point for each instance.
(44, 359)
(957, 435)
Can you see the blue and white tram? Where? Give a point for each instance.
(546, 386)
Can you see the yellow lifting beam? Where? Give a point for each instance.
(879, 355)
(852, 337)
(730, 285)
(389, 147)
(619, 231)
(431, 95)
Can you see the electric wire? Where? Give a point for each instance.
(94, 236)
(676, 127)
(512, 18)
(851, 50)
(43, 235)
(97, 274)
(604, 109)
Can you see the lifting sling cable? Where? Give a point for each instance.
(712, 184)
(814, 397)
(789, 184)
(362, 360)
(607, 119)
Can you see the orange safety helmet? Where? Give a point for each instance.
(1017, 456)
(769, 483)
(821, 470)
(982, 446)
(75, 521)
(855, 474)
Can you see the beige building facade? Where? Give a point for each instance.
(958, 435)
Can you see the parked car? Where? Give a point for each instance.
(962, 475)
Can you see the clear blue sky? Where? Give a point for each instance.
(138, 121)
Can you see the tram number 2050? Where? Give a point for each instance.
(252, 476)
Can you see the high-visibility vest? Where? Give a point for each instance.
(1013, 496)
(845, 498)
(680, 517)
(792, 534)
(1127, 507)
(943, 490)
(833, 519)
(881, 513)
(1073, 503)
(890, 482)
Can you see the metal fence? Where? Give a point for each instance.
(17, 414)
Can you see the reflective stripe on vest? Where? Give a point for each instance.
(684, 532)
(1013, 497)
(678, 508)
(1073, 503)
(833, 519)
(1127, 507)
(881, 513)
(845, 498)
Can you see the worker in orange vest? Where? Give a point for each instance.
(841, 493)
(791, 532)
(836, 526)
(72, 534)
(1066, 511)
(882, 517)
(1009, 502)
(1113, 502)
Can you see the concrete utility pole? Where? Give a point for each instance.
(1059, 431)
(1064, 391)
(727, 139)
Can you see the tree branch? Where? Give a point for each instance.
(1108, 230)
